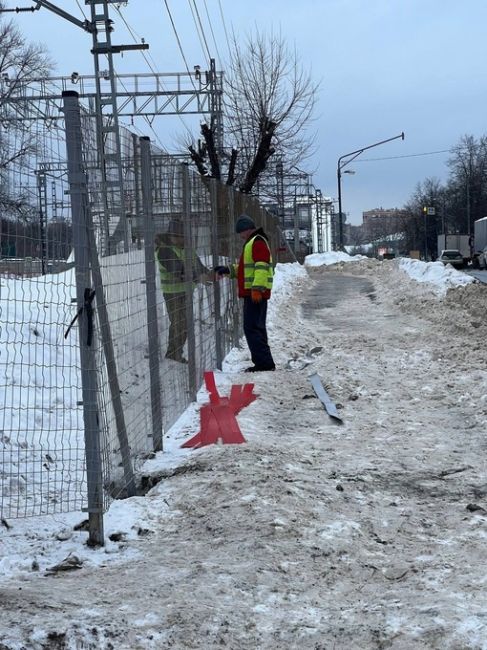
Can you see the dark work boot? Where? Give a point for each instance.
(259, 368)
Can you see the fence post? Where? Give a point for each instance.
(188, 264)
(216, 285)
(79, 205)
(150, 291)
(107, 343)
(137, 190)
(233, 256)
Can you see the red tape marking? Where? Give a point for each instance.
(217, 419)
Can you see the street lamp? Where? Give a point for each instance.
(343, 161)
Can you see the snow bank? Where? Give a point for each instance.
(325, 259)
(435, 273)
(285, 278)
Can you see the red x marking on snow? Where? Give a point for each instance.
(218, 421)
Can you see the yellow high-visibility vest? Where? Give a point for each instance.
(257, 275)
(169, 284)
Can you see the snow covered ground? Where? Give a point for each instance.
(366, 535)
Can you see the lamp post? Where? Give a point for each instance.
(343, 161)
(340, 219)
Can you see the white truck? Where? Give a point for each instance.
(480, 243)
(455, 242)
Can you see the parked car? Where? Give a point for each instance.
(453, 257)
(482, 259)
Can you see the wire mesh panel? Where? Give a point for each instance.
(42, 468)
(201, 220)
(227, 251)
(118, 267)
(176, 278)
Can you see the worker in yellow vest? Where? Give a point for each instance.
(170, 256)
(254, 274)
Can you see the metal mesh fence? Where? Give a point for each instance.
(42, 466)
(82, 412)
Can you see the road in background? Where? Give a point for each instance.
(480, 275)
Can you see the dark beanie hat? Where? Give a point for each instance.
(244, 223)
(175, 228)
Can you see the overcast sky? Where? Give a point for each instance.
(385, 66)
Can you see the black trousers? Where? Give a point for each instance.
(254, 318)
(178, 329)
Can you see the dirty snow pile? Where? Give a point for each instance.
(332, 257)
(435, 273)
(313, 535)
(287, 277)
(441, 276)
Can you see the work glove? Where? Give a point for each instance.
(222, 270)
(256, 295)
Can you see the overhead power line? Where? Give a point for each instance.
(455, 149)
(411, 155)
(152, 67)
(199, 29)
(179, 42)
(212, 32)
(81, 9)
(136, 37)
(224, 27)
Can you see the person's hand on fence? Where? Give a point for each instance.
(256, 295)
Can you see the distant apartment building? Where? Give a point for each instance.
(380, 221)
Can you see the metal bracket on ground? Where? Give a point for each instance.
(324, 398)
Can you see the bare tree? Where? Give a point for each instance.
(268, 105)
(19, 61)
(467, 186)
(356, 236)
(420, 229)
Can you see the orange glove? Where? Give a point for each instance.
(256, 295)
